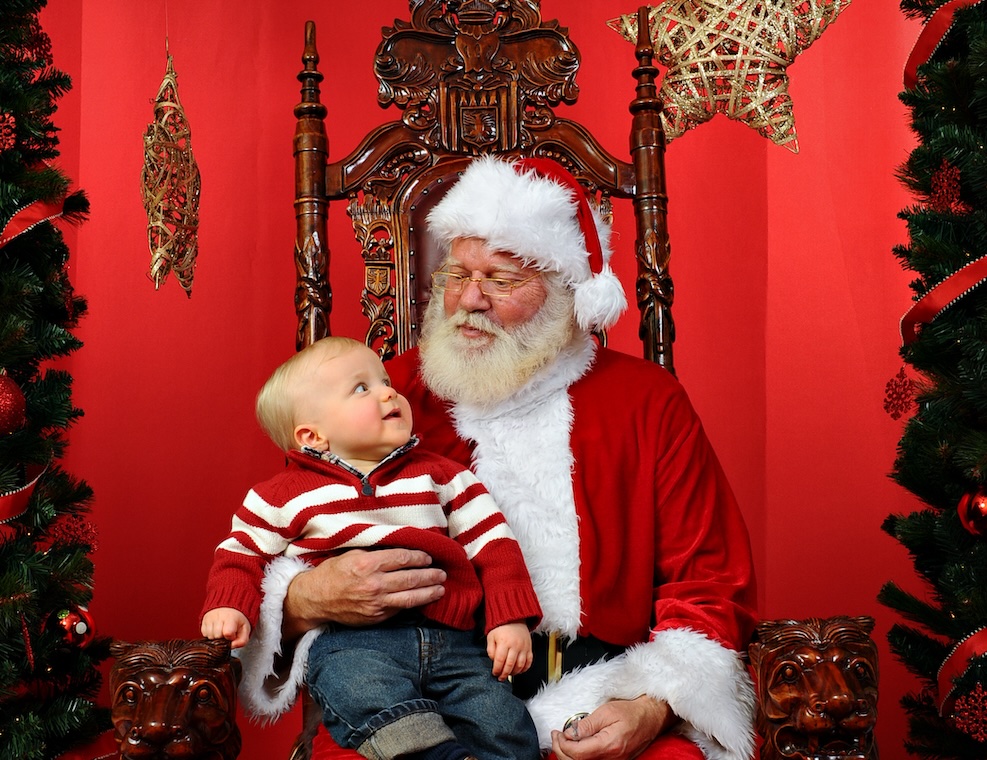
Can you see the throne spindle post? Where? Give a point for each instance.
(652, 248)
(313, 296)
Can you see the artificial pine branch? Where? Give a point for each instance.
(920, 653)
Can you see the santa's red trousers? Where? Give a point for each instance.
(667, 747)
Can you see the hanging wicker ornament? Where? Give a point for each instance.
(731, 57)
(170, 188)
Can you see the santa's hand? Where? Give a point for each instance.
(621, 729)
(360, 588)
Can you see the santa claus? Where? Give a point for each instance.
(634, 541)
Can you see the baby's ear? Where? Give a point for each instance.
(306, 435)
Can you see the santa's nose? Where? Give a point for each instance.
(472, 298)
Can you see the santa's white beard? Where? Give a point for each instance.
(464, 370)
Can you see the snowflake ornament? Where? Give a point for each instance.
(899, 395)
(946, 188)
(970, 714)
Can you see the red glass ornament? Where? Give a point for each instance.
(75, 624)
(13, 406)
(972, 510)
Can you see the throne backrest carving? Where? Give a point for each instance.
(469, 77)
(476, 76)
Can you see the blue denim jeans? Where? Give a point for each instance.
(408, 685)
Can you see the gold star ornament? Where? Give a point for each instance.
(731, 57)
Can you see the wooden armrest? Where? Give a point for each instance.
(148, 718)
(816, 685)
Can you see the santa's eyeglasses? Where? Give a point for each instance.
(489, 286)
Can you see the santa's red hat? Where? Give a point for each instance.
(535, 209)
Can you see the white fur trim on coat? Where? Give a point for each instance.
(523, 456)
(268, 691)
(704, 684)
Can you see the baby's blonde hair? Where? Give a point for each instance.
(277, 400)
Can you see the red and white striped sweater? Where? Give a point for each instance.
(321, 506)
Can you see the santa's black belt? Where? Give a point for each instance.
(554, 656)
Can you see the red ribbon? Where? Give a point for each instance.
(930, 38)
(941, 297)
(14, 503)
(29, 217)
(956, 664)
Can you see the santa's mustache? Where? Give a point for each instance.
(478, 321)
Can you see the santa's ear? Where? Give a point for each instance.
(306, 435)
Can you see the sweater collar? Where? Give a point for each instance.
(328, 456)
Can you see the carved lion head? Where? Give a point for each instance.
(817, 688)
(175, 699)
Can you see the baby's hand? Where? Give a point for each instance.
(509, 646)
(226, 623)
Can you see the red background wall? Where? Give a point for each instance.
(787, 294)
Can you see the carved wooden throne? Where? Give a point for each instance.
(471, 77)
(484, 76)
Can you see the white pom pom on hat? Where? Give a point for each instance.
(536, 210)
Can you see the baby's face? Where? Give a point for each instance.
(353, 406)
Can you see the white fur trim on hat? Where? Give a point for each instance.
(520, 211)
